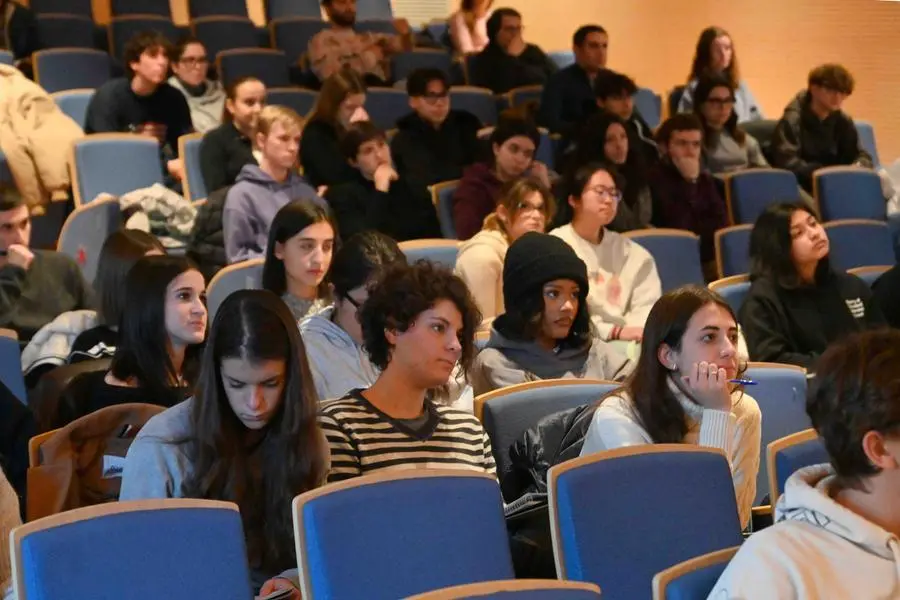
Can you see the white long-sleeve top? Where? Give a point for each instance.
(623, 278)
(737, 433)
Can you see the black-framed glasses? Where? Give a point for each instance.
(720, 101)
(194, 61)
(353, 301)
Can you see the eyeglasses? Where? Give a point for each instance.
(526, 207)
(720, 101)
(432, 98)
(194, 61)
(606, 192)
(354, 302)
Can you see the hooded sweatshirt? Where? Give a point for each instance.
(207, 105)
(816, 549)
(480, 265)
(474, 199)
(250, 207)
(737, 433)
(339, 364)
(425, 155)
(623, 279)
(803, 142)
(505, 362)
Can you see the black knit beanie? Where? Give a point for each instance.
(536, 258)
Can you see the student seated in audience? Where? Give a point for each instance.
(205, 97)
(569, 93)
(226, 149)
(524, 205)
(340, 103)
(434, 142)
(814, 132)
(298, 256)
(715, 55)
(17, 427)
(248, 436)
(378, 198)
(507, 61)
(680, 391)
(513, 144)
(837, 523)
(417, 324)
(623, 282)
(10, 518)
(614, 93)
(35, 285)
(339, 46)
(262, 190)
(162, 325)
(726, 147)
(468, 26)
(798, 304)
(546, 331)
(20, 36)
(685, 196)
(604, 138)
(143, 102)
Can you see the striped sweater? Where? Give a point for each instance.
(364, 440)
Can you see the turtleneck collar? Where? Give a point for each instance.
(194, 90)
(693, 410)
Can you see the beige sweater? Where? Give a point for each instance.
(480, 265)
(9, 518)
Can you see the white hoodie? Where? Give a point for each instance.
(817, 549)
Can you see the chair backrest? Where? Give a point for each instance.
(374, 9)
(11, 364)
(733, 250)
(245, 275)
(780, 391)
(216, 8)
(866, 134)
(85, 230)
(442, 252)
(442, 198)
(114, 163)
(619, 517)
(517, 589)
(562, 58)
(122, 29)
(676, 253)
(748, 193)
(225, 33)
(406, 62)
(64, 30)
(82, 8)
(189, 151)
(649, 105)
(692, 579)
(279, 9)
(175, 548)
(160, 8)
(733, 289)
(509, 412)
(386, 105)
(790, 453)
(74, 103)
(6, 58)
(478, 101)
(269, 66)
(849, 193)
(291, 35)
(467, 544)
(846, 250)
(524, 95)
(869, 274)
(64, 69)
(762, 130)
(299, 99)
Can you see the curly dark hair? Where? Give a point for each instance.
(401, 294)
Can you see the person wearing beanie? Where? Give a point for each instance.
(624, 283)
(546, 331)
(513, 142)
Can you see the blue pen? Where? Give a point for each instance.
(742, 381)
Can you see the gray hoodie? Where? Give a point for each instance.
(505, 362)
(250, 207)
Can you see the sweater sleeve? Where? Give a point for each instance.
(754, 111)
(213, 161)
(12, 279)
(767, 340)
(147, 473)
(345, 462)
(755, 157)
(613, 426)
(492, 371)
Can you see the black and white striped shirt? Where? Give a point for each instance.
(364, 440)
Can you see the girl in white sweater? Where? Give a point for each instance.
(622, 275)
(680, 391)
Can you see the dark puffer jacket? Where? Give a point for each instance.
(206, 246)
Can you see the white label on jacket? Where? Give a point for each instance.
(112, 466)
(857, 308)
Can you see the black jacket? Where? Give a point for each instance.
(223, 153)
(17, 426)
(404, 212)
(206, 247)
(20, 30)
(425, 155)
(499, 72)
(567, 99)
(803, 143)
(321, 156)
(886, 293)
(795, 325)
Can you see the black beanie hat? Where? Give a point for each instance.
(536, 258)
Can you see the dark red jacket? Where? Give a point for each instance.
(474, 199)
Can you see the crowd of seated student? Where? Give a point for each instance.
(261, 190)
(798, 303)
(468, 26)
(378, 197)
(622, 279)
(298, 256)
(524, 205)
(546, 330)
(190, 69)
(161, 328)
(248, 435)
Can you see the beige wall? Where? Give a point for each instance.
(777, 42)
